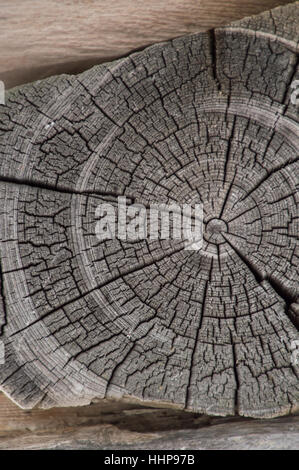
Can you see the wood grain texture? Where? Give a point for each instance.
(112, 425)
(203, 118)
(39, 38)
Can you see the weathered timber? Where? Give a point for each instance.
(203, 118)
(111, 424)
(41, 38)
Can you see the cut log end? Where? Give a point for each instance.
(204, 119)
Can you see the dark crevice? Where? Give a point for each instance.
(213, 51)
(94, 193)
(235, 367)
(122, 361)
(288, 297)
(283, 292)
(259, 276)
(3, 321)
(225, 172)
(187, 398)
(58, 189)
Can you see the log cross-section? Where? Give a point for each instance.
(209, 118)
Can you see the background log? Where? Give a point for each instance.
(39, 38)
(112, 425)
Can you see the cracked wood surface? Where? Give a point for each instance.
(203, 118)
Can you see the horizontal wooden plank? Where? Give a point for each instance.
(111, 424)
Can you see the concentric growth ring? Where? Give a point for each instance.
(193, 121)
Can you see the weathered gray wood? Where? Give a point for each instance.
(203, 118)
